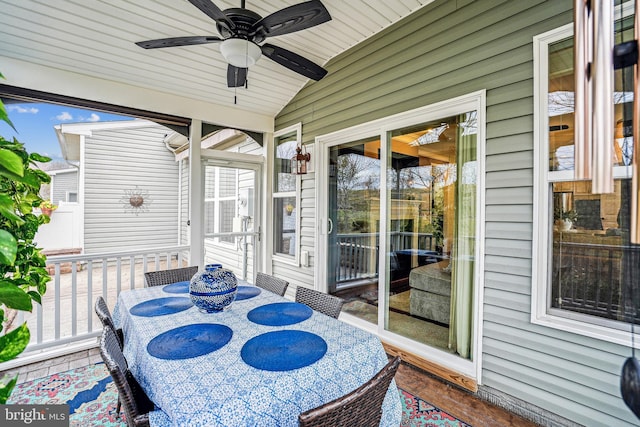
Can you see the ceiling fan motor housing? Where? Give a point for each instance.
(243, 19)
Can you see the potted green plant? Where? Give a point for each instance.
(47, 207)
(23, 276)
(564, 220)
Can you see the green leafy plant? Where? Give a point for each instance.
(570, 215)
(23, 276)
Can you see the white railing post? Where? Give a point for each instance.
(57, 303)
(89, 295)
(74, 299)
(118, 275)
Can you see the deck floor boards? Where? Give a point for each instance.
(460, 403)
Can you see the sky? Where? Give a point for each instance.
(34, 123)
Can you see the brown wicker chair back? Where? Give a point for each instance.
(102, 310)
(319, 301)
(362, 407)
(134, 400)
(164, 277)
(272, 284)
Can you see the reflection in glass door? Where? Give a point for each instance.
(431, 191)
(354, 226)
(426, 208)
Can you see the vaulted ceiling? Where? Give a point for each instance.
(96, 38)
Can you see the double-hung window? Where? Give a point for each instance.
(285, 194)
(584, 265)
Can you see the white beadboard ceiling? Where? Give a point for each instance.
(96, 38)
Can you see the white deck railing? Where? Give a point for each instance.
(67, 314)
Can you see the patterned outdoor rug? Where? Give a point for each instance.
(418, 413)
(92, 398)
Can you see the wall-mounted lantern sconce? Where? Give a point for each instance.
(300, 160)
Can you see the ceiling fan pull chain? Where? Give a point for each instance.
(246, 80)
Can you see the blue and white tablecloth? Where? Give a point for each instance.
(220, 389)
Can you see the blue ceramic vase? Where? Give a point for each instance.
(213, 289)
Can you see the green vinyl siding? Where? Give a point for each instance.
(444, 50)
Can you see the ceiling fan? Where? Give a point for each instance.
(243, 30)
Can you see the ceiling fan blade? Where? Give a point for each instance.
(178, 41)
(293, 18)
(293, 61)
(236, 77)
(213, 12)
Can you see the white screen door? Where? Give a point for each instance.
(232, 207)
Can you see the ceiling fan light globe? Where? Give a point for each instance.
(240, 53)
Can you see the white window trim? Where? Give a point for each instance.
(294, 259)
(68, 194)
(576, 323)
(450, 107)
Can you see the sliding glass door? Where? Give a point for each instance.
(402, 209)
(354, 225)
(431, 221)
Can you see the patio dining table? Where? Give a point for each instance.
(260, 362)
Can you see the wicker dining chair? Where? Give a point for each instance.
(134, 400)
(271, 283)
(362, 407)
(165, 277)
(330, 305)
(102, 310)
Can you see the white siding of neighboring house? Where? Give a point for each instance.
(63, 182)
(125, 159)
